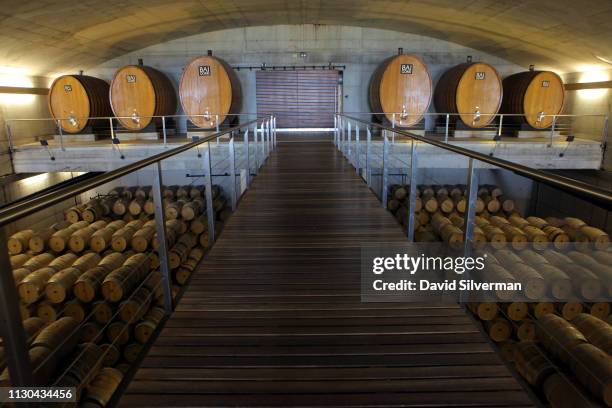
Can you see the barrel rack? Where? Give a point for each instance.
(259, 132)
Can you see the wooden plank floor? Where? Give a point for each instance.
(273, 316)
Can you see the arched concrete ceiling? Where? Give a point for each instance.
(46, 36)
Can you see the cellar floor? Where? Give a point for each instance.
(273, 317)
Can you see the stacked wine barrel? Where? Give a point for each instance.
(90, 287)
(560, 345)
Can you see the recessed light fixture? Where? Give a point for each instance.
(602, 59)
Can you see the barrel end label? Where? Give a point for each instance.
(131, 79)
(545, 84)
(204, 70)
(67, 88)
(480, 76)
(406, 69)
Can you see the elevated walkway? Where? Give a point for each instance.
(273, 317)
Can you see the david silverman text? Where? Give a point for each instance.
(463, 284)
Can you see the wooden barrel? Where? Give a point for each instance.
(134, 308)
(18, 260)
(111, 354)
(75, 98)
(563, 392)
(122, 237)
(41, 357)
(209, 87)
(498, 329)
(473, 90)
(88, 284)
(60, 284)
(533, 94)
(131, 352)
(18, 242)
(138, 92)
(32, 286)
(569, 310)
(59, 240)
(118, 333)
(558, 336)
(179, 252)
(31, 265)
(125, 278)
(85, 364)
(103, 311)
(144, 329)
(103, 386)
(63, 335)
(596, 331)
(90, 332)
(102, 238)
(531, 363)
(47, 311)
(401, 84)
(593, 368)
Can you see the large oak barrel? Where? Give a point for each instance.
(75, 98)
(533, 94)
(401, 84)
(209, 87)
(473, 90)
(138, 92)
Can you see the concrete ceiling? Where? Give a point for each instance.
(47, 36)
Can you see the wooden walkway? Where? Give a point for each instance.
(273, 316)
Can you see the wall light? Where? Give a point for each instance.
(593, 76)
(19, 81)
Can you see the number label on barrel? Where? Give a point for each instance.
(406, 69)
(131, 79)
(480, 76)
(204, 70)
(545, 84)
(67, 88)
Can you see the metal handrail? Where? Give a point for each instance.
(17, 211)
(591, 193)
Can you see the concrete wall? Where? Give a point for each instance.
(360, 49)
(588, 102)
(18, 106)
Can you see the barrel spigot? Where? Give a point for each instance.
(404, 114)
(540, 117)
(476, 115)
(73, 121)
(136, 118)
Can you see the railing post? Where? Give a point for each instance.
(268, 137)
(368, 176)
(348, 138)
(9, 137)
(393, 127)
(160, 225)
(112, 132)
(385, 172)
(357, 149)
(412, 196)
(210, 211)
(552, 130)
(263, 142)
(14, 337)
(256, 148)
(501, 121)
(61, 135)
(248, 159)
(470, 208)
(446, 128)
(343, 150)
(232, 171)
(164, 131)
(335, 130)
